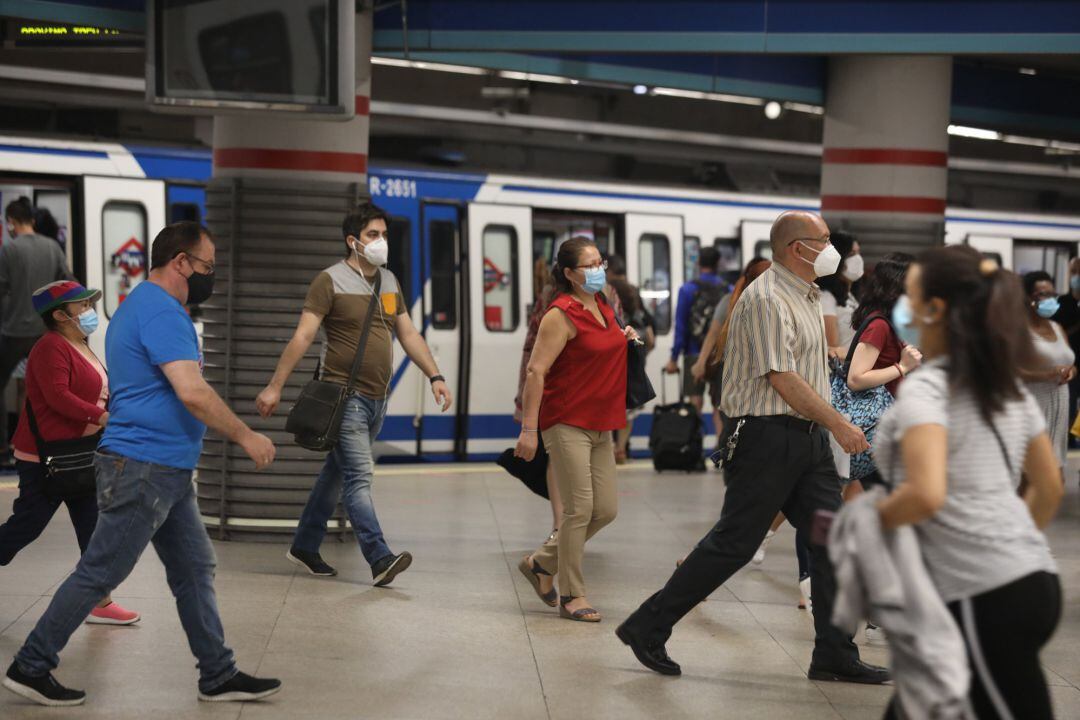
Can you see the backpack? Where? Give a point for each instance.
(706, 298)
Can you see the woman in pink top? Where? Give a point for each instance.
(68, 390)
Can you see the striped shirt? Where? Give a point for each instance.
(776, 326)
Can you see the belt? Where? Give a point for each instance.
(788, 421)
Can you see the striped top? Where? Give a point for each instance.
(776, 326)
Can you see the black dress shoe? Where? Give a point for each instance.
(852, 671)
(655, 658)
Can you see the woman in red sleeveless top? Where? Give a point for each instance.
(575, 394)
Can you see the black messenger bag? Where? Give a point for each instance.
(315, 417)
(68, 464)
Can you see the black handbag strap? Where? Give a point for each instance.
(33, 425)
(362, 344)
(858, 336)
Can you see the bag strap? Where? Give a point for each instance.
(362, 344)
(33, 425)
(858, 336)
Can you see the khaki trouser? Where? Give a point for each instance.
(584, 465)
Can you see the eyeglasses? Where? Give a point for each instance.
(602, 265)
(207, 263)
(827, 240)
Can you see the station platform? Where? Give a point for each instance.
(461, 634)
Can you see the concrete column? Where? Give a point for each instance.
(886, 150)
(279, 191)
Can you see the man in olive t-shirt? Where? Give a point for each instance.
(338, 300)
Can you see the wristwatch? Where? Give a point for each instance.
(436, 378)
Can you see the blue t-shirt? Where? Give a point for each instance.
(147, 421)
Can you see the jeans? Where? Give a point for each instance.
(33, 510)
(347, 474)
(140, 503)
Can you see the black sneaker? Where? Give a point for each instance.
(312, 562)
(241, 687)
(389, 568)
(43, 690)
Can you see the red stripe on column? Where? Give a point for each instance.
(883, 203)
(884, 156)
(363, 105)
(273, 159)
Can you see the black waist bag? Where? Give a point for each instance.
(315, 417)
(68, 464)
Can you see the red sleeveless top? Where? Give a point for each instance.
(586, 386)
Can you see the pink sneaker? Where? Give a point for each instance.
(112, 614)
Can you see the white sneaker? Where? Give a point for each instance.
(875, 634)
(805, 601)
(759, 556)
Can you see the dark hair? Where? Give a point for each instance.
(616, 265)
(567, 259)
(359, 217)
(181, 237)
(884, 285)
(709, 258)
(1033, 278)
(835, 284)
(20, 210)
(45, 224)
(985, 323)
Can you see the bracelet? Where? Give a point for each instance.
(899, 369)
(529, 430)
(436, 378)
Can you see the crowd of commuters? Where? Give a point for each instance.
(969, 447)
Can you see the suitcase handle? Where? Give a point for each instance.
(663, 385)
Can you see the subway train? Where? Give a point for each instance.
(465, 248)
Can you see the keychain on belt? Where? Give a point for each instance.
(723, 456)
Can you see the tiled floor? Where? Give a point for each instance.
(461, 633)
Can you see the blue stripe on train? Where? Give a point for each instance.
(54, 151)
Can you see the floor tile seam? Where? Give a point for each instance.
(521, 606)
(270, 637)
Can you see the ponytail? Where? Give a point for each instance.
(567, 259)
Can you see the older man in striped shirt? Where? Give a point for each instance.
(775, 396)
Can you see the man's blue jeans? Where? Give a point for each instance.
(348, 473)
(140, 503)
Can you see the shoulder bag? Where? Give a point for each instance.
(315, 417)
(68, 464)
(639, 389)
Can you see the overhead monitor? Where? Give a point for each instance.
(283, 56)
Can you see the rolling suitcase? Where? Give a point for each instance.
(677, 436)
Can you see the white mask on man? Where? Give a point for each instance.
(854, 268)
(826, 262)
(376, 253)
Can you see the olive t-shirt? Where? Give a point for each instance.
(341, 295)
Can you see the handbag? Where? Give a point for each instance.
(315, 417)
(639, 389)
(68, 464)
(863, 408)
(532, 473)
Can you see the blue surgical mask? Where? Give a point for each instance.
(595, 280)
(1074, 283)
(903, 320)
(88, 321)
(1048, 308)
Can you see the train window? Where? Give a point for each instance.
(400, 241)
(184, 212)
(763, 249)
(443, 244)
(124, 245)
(654, 278)
(730, 254)
(691, 252)
(500, 245)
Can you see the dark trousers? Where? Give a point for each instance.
(775, 467)
(12, 351)
(1004, 629)
(33, 510)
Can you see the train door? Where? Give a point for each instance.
(754, 235)
(997, 247)
(654, 249)
(442, 253)
(121, 216)
(498, 262)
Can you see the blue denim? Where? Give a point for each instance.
(139, 503)
(347, 473)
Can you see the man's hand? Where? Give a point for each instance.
(267, 401)
(697, 370)
(442, 395)
(851, 438)
(672, 368)
(259, 448)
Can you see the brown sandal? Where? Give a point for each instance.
(585, 614)
(532, 573)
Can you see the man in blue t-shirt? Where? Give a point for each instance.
(159, 408)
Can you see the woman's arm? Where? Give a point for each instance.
(1045, 486)
(862, 375)
(924, 453)
(52, 376)
(707, 347)
(555, 331)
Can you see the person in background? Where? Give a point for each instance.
(1048, 381)
(69, 391)
(158, 414)
(954, 446)
(694, 312)
(838, 302)
(337, 301)
(27, 261)
(1068, 316)
(45, 224)
(637, 317)
(575, 394)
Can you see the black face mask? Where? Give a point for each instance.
(200, 287)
